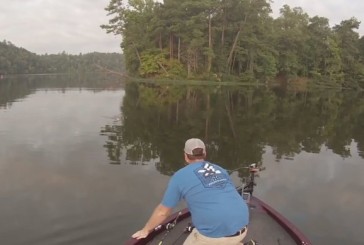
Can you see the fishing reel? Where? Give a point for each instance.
(254, 169)
(189, 228)
(170, 226)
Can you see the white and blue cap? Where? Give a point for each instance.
(192, 145)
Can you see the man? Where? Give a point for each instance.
(218, 212)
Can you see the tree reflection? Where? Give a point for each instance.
(17, 87)
(236, 123)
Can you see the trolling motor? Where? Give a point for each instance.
(249, 182)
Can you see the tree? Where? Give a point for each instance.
(348, 42)
(291, 41)
(234, 39)
(131, 20)
(322, 53)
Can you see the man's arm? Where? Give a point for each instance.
(159, 215)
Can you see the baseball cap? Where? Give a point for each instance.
(192, 144)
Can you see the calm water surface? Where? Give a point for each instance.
(84, 163)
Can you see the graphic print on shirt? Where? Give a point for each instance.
(211, 177)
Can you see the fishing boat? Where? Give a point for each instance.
(266, 225)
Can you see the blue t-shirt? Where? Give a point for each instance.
(216, 207)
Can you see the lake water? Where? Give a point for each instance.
(86, 161)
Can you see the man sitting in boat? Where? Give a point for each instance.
(219, 214)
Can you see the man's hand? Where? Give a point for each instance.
(159, 215)
(140, 234)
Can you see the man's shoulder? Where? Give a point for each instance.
(185, 170)
(196, 167)
(213, 165)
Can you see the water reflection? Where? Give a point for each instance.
(311, 144)
(55, 184)
(237, 124)
(58, 188)
(17, 87)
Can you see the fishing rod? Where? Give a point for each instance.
(251, 167)
(169, 227)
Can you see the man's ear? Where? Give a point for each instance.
(186, 158)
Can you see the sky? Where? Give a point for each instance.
(53, 26)
(73, 26)
(335, 10)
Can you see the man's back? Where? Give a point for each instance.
(216, 207)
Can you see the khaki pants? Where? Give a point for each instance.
(196, 238)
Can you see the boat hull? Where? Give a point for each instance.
(266, 226)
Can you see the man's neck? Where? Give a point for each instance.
(195, 161)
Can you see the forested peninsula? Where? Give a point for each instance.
(16, 60)
(235, 40)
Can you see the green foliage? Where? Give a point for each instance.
(155, 64)
(14, 60)
(17, 60)
(235, 38)
(348, 43)
(151, 64)
(175, 69)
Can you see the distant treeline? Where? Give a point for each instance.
(15, 60)
(235, 38)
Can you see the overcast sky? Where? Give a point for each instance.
(53, 26)
(73, 26)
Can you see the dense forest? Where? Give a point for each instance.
(15, 60)
(235, 39)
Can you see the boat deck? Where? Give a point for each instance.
(262, 228)
(266, 226)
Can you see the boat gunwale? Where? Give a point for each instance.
(290, 228)
(182, 214)
(178, 216)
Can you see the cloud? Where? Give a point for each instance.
(47, 26)
(50, 26)
(336, 11)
